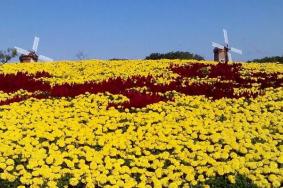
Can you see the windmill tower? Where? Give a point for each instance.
(222, 52)
(31, 55)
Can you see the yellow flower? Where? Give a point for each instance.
(173, 185)
(231, 179)
(10, 162)
(49, 160)
(3, 165)
(74, 181)
(280, 159)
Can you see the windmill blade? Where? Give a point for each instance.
(216, 45)
(35, 44)
(44, 58)
(237, 51)
(225, 37)
(230, 57)
(22, 51)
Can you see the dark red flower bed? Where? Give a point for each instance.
(215, 90)
(228, 72)
(224, 71)
(14, 82)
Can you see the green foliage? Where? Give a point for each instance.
(275, 59)
(222, 181)
(7, 184)
(118, 59)
(7, 55)
(174, 55)
(81, 55)
(64, 181)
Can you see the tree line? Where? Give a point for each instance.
(8, 54)
(274, 59)
(175, 55)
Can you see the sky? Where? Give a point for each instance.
(104, 29)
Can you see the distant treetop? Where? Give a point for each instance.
(274, 59)
(7, 55)
(174, 55)
(118, 59)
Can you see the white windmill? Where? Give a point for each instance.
(221, 52)
(30, 55)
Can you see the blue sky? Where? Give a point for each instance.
(105, 29)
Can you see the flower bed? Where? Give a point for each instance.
(141, 123)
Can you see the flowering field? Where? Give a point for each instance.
(137, 123)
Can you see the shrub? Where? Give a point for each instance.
(174, 55)
(275, 59)
(7, 55)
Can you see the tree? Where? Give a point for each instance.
(118, 59)
(274, 59)
(7, 55)
(81, 55)
(175, 55)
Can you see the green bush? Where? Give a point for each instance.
(7, 184)
(275, 59)
(174, 55)
(7, 55)
(223, 182)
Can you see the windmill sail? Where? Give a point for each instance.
(35, 44)
(44, 58)
(216, 45)
(225, 37)
(236, 51)
(230, 57)
(21, 51)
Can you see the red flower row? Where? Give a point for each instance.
(215, 90)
